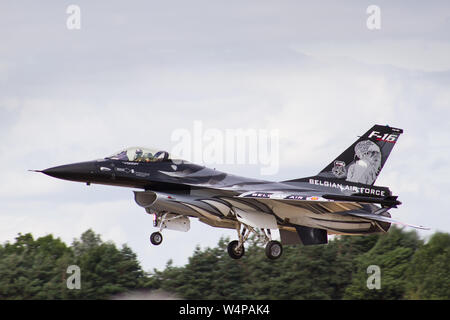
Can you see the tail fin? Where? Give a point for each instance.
(364, 159)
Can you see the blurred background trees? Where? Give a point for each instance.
(410, 269)
(37, 269)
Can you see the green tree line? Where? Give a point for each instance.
(37, 269)
(409, 269)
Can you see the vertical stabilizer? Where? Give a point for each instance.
(364, 159)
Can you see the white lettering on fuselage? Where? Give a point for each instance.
(342, 187)
(130, 163)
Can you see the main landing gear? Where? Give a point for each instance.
(236, 249)
(274, 249)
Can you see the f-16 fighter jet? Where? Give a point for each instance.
(340, 199)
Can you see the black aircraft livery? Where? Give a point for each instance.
(341, 199)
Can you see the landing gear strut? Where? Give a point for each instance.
(236, 249)
(156, 238)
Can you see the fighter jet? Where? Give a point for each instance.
(341, 199)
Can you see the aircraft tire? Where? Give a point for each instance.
(156, 238)
(274, 249)
(232, 250)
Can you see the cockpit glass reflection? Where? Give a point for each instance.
(137, 154)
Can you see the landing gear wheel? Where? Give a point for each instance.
(156, 238)
(274, 249)
(232, 250)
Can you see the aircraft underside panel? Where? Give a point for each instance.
(175, 222)
(226, 212)
(256, 219)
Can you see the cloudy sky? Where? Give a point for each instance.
(137, 71)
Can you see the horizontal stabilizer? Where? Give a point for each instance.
(390, 201)
(378, 217)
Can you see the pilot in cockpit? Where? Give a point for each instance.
(148, 157)
(138, 155)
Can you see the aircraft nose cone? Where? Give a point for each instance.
(81, 171)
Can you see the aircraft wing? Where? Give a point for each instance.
(284, 195)
(311, 196)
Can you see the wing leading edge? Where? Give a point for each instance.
(390, 201)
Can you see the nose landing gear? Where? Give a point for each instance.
(167, 220)
(156, 238)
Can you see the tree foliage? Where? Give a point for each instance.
(429, 271)
(410, 269)
(37, 269)
(338, 270)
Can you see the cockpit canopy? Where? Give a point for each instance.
(138, 154)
